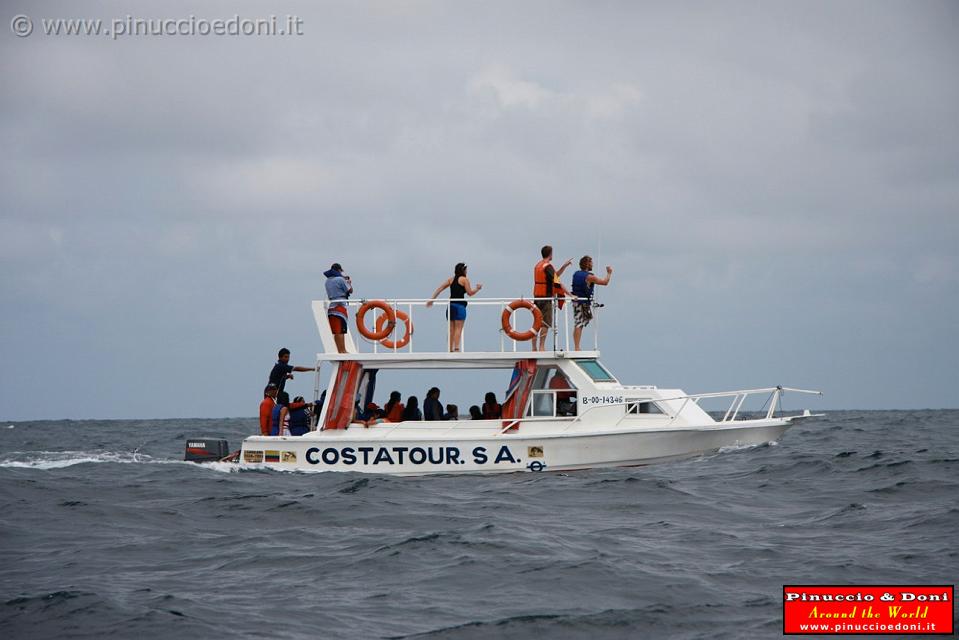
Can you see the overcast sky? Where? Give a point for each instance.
(776, 185)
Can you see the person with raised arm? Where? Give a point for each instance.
(583, 282)
(283, 370)
(459, 286)
(546, 285)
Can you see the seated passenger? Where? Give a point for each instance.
(355, 418)
(565, 395)
(475, 413)
(374, 415)
(282, 399)
(266, 408)
(394, 408)
(299, 417)
(412, 410)
(280, 420)
(318, 409)
(369, 412)
(432, 409)
(452, 412)
(491, 409)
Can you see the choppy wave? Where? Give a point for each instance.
(61, 459)
(113, 535)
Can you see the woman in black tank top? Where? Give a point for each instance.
(459, 286)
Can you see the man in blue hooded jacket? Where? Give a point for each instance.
(338, 290)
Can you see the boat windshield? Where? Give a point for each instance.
(595, 370)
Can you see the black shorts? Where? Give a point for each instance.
(546, 308)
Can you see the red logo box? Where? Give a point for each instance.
(869, 609)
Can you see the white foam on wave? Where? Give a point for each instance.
(219, 467)
(61, 459)
(749, 445)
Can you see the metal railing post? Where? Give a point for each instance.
(554, 329)
(410, 345)
(772, 404)
(502, 334)
(595, 325)
(742, 401)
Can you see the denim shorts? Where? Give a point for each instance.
(457, 311)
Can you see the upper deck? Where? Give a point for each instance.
(420, 336)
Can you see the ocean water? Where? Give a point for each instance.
(104, 532)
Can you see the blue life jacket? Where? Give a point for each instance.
(580, 288)
(299, 422)
(275, 421)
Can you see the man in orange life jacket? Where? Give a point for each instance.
(266, 408)
(546, 285)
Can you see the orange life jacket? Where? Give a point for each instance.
(539, 279)
(396, 413)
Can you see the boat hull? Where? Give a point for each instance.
(417, 451)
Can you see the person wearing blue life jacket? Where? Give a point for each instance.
(583, 282)
(276, 419)
(280, 420)
(299, 417)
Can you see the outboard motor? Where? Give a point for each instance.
(206, 450)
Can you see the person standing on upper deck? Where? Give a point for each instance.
(460, 287)
(338, 290)
(583, 283)
(546, 285)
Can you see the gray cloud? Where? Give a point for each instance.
(776, 186)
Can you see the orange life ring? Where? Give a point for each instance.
(407, 323)
(380, 333)
(525, 335)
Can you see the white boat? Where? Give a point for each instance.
(563, 409)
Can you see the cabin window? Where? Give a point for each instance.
(553, 394)
(595, 370)
(643, 406)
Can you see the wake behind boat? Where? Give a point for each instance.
(563, 409)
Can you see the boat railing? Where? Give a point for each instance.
(738, 397)
(735, 406)
(482, 332)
